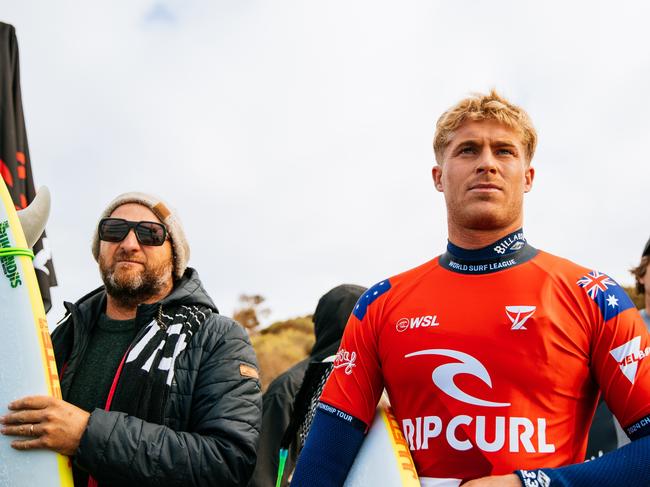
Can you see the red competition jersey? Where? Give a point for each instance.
(495, 366)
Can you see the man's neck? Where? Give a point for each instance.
(117, 310)
(468, 238)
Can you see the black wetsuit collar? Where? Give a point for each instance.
(509, 251)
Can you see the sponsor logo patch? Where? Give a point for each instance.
(489, 433)
(628, 357)
(518, 315)
(513, 242)
(443, 375)
(486, 433)
(535, 478)
(426, 321)
(517, 246)
(345, 359)
(248, 371)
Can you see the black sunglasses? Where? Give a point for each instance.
(147, 233)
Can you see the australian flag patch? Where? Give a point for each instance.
(606, 293)
(369, 297)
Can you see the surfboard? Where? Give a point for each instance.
(384, 458)
(27, 365)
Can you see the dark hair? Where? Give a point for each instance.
(639, 272)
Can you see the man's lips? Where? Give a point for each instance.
(129, 262)
(485, 187)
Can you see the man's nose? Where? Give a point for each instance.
(486, 162)
(130, 242)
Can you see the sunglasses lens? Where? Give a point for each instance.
(113, 230)
(150, 233)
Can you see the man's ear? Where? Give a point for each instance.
(436, 174)
(529, 175)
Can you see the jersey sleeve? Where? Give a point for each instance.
(620, 349)
(355, 384)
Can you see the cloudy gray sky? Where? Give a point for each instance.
(294, 137)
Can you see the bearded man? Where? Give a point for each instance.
(158, 388)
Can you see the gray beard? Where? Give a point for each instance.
(130, 291)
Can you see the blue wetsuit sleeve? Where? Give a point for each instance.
(331, 446)
(629, 465)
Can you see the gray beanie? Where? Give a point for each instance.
(168, 217)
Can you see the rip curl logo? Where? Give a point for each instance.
(9, 265)
(345, 359)
(443, 376)
(491, 432)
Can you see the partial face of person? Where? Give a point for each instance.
(133, 272)
(484, 175)
(645, 280)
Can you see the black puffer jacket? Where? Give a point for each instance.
(330, 318)
(212, 414)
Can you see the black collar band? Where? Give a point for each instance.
(506, 252)
(504, 246)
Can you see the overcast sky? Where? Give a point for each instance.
(294, 137)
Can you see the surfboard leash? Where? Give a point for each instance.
(16, 252)
(283, 460)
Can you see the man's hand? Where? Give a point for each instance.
(47, 422)
(510, 480)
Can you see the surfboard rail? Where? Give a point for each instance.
(384, 458)
(21, 278)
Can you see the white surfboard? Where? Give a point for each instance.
(27, 365)
(384, 458)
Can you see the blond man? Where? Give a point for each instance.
(500, 387)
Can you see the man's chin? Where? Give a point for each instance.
(127, 278)
(131, 283)
(485, 217)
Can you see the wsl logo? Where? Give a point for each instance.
(9, 265)
(417, 322)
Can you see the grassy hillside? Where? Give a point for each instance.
(281, 345)
(638, 299)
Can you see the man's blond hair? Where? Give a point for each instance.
(480, 107)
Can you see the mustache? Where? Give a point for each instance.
(122, 256)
